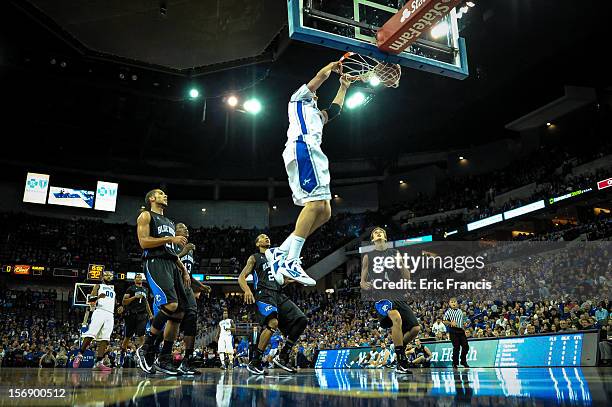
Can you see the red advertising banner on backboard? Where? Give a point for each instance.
(410, 22)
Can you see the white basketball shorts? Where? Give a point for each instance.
(308, 171)
(101, 325)
(226, 344)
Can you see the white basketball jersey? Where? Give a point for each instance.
(225, 325)
(305, 118)
(107, 303)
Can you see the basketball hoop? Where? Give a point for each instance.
(367, 69)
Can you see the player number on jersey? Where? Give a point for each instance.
(109, 294)
(270, 275)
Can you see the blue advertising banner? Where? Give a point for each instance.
(528, 351)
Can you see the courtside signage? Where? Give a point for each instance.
(485, 222)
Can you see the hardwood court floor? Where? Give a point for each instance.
(309, 388)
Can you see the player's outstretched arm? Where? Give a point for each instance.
(336, 105)
(344, 85)
(248, 269)
(144, 236)
(321, 76)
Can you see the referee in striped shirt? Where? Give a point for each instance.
(453, 319)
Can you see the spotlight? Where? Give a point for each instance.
(252, 106)
(63, 64)
(461, 157)
(53, 61)
(548, 124)
(232, 101)
(121, 76)
(203, 210)
(194, 93)
(274, 207)
(401, 182)
(134, 77)
(374, 80)
(357, 99)
(336, 196)
(440, 30)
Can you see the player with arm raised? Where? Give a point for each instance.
(396, 315)
(157, 238)
(308, 170)
(102, 297)
(275, 309)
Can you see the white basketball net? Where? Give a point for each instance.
(367, 69)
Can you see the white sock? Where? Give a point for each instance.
(286, 244)
(222, 357)
(296, 247)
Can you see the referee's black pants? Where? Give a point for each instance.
(459, 340)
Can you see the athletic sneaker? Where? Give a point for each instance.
(284, 363)
(101, 367)
(165, 365)
(186, 368)
(293, 269)
(77, 361)
(145, 360)
(464, 364)
(275, 257)
(256, 368)
(403, 367)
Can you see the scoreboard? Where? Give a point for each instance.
(558, 350)
(95, 272)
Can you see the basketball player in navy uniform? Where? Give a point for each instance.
(275, 309)
(167, 278)
(189, 324)
(137, 313)
(396, 315)
(307, 169)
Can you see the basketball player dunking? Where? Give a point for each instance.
(308, 171)
(396, 315)
(167, 278)
(275, 309)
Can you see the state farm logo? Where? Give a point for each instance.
(405, 15)
(411, 9)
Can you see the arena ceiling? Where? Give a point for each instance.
(101, 85)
